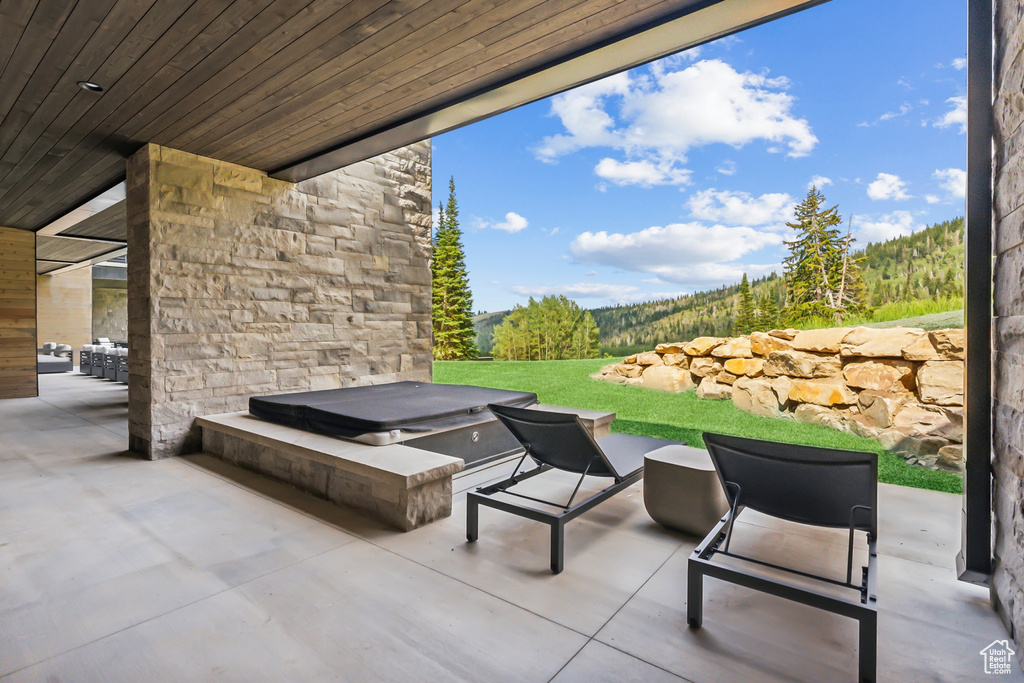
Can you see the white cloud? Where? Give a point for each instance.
(727, 167)
(513, 223)
(683, 253)
(953, 181)
(932, 199)
(888, 186)
(895, 224)
(904, 109)
(959, 63)
(740, 208)
(819, 181)
(579, 290)
(956, 116)
(644, 173)
(655, 119)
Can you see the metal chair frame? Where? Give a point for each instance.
(863, 607)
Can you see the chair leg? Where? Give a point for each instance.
(867, 650)
(557, 547)
(694, 594)
(472, 519)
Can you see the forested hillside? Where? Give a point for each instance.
(906, 276)
(911, 275)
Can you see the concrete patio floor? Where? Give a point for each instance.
(118, 569)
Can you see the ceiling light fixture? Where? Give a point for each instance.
(89, 86)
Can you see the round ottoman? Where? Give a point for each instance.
(682, 491)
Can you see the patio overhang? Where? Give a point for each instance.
(293, 88)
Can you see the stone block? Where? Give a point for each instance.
(676, 347)
(801, 364)
(710, 389)
(941, 382)
(701, 346)
(881, 374)
(755, 396)
(750, 367)
(828, 340)
(680, 360)
(879, 343)
(761, 344)
(666, 378)
(648, 358)
(704, 366)
(738, 347)
(822, 392)
(726, 378)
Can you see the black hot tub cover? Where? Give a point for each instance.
(408, 406)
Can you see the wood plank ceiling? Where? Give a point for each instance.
(264, 83)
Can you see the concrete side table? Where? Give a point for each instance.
(597, 422)
(682, 491)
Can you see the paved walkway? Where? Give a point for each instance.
(186, 569)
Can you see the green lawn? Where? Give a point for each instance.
(671, 416)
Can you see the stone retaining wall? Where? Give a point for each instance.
(901, 386)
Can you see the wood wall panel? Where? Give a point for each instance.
(17, 314)
(64, 310)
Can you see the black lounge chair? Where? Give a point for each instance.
(560, 441)
(814, 486)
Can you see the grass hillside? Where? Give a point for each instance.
(682, 416)
(484, 325)
(906, 277)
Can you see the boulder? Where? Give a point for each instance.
(701, 346)
(879, 408)
(822, 392)
(949, 343)
(680, 360)
(915, 419)
(951, 458)
(875, 343)
(786, 334)
(926, 447)
(618, 379)
(710, 389)
(674, 347)
(781, 386)
(666, 378)
(726, 378)
(859, 426)
(819, 415)
(631, 360)
(755, 396)
(882, 374)
(629, 369)
(922, 349)
(827, 340)
(751, 367)
(941, 382)
(801, 364)
(762, 344)
(632, 381)
(704, 366)
(738, 347)
(648, 358)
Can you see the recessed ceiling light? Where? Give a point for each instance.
(89, 86)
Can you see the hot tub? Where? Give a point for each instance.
(442, 418)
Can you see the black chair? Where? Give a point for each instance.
(560, 441)
(814, 486)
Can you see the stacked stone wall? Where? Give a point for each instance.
(1008, 323)
(901, 386)
(240, 285)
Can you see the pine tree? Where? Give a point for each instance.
(745, 321)
(452, 300)
(770, 317)
(823, 276)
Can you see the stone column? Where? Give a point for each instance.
(1008, 324)
(240, 285)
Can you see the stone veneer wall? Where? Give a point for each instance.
(239, 284)
(1008, 325)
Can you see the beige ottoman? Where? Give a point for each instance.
(682, 491)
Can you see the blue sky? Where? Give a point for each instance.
(680, 175)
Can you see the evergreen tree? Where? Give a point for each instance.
(823, 276)
(746, 320)
(452, 300)
(770, 317)
(554, 328)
